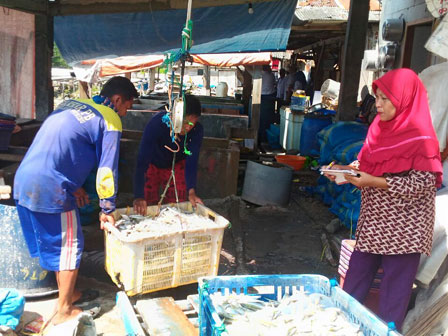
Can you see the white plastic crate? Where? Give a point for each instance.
(149, 263)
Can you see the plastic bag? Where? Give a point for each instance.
(12, 304)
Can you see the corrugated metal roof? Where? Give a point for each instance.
(313, 13)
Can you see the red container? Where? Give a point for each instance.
(294, 161)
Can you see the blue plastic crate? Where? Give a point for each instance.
(274, 288)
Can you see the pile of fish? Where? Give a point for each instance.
(298, 314)
(170, 220)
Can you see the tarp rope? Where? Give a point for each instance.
(181, 55)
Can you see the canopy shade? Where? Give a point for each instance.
(215, 30)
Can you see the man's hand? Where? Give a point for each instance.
(140, 206)
(106, 218)
(81, 197)
(193, 198)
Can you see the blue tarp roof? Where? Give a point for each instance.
(215, 30)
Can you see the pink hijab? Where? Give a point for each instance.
(408, 141)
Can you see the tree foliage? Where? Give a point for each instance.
(57, 60)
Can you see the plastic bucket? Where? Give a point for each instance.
(17, 268)
(290, 129)
(264, 185)
(294, 161)
(330, 88)
(221, 90)
(308, 139)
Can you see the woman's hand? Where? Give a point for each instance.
(366, 180)
(338, 167)
(193, 198)
(81, 197)
(140, 206)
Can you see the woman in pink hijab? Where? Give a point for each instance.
(399, 169)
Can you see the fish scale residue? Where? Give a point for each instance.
(170, 220)
(297, 315)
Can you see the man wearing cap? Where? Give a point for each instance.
(74, 139)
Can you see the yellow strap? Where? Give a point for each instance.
(111, 117)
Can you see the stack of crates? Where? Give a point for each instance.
(147, 264)
(372, 299)
(274, 287)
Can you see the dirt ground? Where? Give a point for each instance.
(262, 240)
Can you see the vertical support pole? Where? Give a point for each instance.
(152, 79)
(355, 41)
(43, 53)
(208, 92)
(256, 102)
(83, 90)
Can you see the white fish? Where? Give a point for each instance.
(298, 314)
(170, 220)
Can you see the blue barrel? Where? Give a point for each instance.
(308, 139)
(17, 269)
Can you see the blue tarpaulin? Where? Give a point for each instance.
(215, 30)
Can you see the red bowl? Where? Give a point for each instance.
(294, 161)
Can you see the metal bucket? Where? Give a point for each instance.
(265, 185)
(17, 269)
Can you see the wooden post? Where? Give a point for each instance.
(83, 90)
(127, 75)
(43, 53)
(152, 79)
(208, 92)
(355, 41)
(256, 102)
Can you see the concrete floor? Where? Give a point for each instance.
(263, 240)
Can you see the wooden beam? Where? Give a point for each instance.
(310, 28)
(355, 42)
(152, 79)
(29, 6)
(83, 88)
(58, 9)
(256, 102)
(319, 44)
(43, 53)
(163, 317)
(208, 91)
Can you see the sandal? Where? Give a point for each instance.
(34, 327)
(87, 295)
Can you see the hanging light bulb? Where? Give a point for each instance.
(250, 9)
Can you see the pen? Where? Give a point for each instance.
(331, 164)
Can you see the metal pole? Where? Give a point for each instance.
(190, 2)
(182, 70)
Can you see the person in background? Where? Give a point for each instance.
(281, 83)
(300, 82)
(155, 158)
(267, 81)
(290, 80)
(399, 168)
(309, 90)
(76, 137)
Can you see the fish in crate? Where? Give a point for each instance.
(163, 250)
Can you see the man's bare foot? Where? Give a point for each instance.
(65, 315)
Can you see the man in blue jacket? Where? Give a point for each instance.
(75, 138)
(155, 159)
